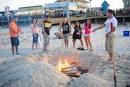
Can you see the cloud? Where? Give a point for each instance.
(15, 4)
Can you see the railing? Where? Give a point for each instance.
(27, 19)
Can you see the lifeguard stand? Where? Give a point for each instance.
(105, 6)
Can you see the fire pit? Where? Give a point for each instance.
(70, 69)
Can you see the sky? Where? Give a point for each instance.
(15, 4)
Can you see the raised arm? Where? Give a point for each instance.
(99, 27)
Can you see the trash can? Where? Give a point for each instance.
(126, 32)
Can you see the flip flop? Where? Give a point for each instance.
(80, 48)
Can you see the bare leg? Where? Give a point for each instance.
(89, 43)
(67, 42)
(36, 45)
(81, 42)
(86, 41)
(13, 47)
(45, 45)
(111, 57)
(32, 46)
(46, 42)
(74, 43)
(17, 50)
(105, 44)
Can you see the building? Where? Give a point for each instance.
(126, 3)
(96, 11)
(80, 5)
(61, 7)
(31, 10)
(12, 13)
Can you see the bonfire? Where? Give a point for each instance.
(71, 69)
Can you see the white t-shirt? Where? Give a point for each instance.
(108, 23)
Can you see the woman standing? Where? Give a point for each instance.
(77, 34)
(66, 28)
(87, 32)
(35, 33)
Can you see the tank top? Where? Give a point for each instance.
(78, 31)
(66, 28)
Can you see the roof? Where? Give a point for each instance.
(38, 7)
(105, 3)
(83, 1)
(58, 5)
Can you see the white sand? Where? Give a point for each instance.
(33, 63)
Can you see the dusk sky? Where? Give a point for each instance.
(15, 4)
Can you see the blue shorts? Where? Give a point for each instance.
(66, 36)
(14, 41)
(35, 38)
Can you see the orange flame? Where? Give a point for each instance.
(62, 66)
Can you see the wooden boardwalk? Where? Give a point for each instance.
(58, 20)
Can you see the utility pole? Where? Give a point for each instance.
(68, 9)
(90, 5)
(7, 12)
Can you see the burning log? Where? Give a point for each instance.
(72, 69)
(82, 70)
(73, 72)
(76, 74)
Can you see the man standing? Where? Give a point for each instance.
(14, 32)
(46, 32)
(110, 27)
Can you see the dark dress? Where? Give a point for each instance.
(77, 33)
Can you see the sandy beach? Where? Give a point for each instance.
(99, 70)
(122, 44)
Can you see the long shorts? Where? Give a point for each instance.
(109, 45)
(14, 41)
(35, 38)
(46, 40)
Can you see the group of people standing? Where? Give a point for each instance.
(65, 29)
(15, 31)
(79, 32)
(46, 26)
(109, 27)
